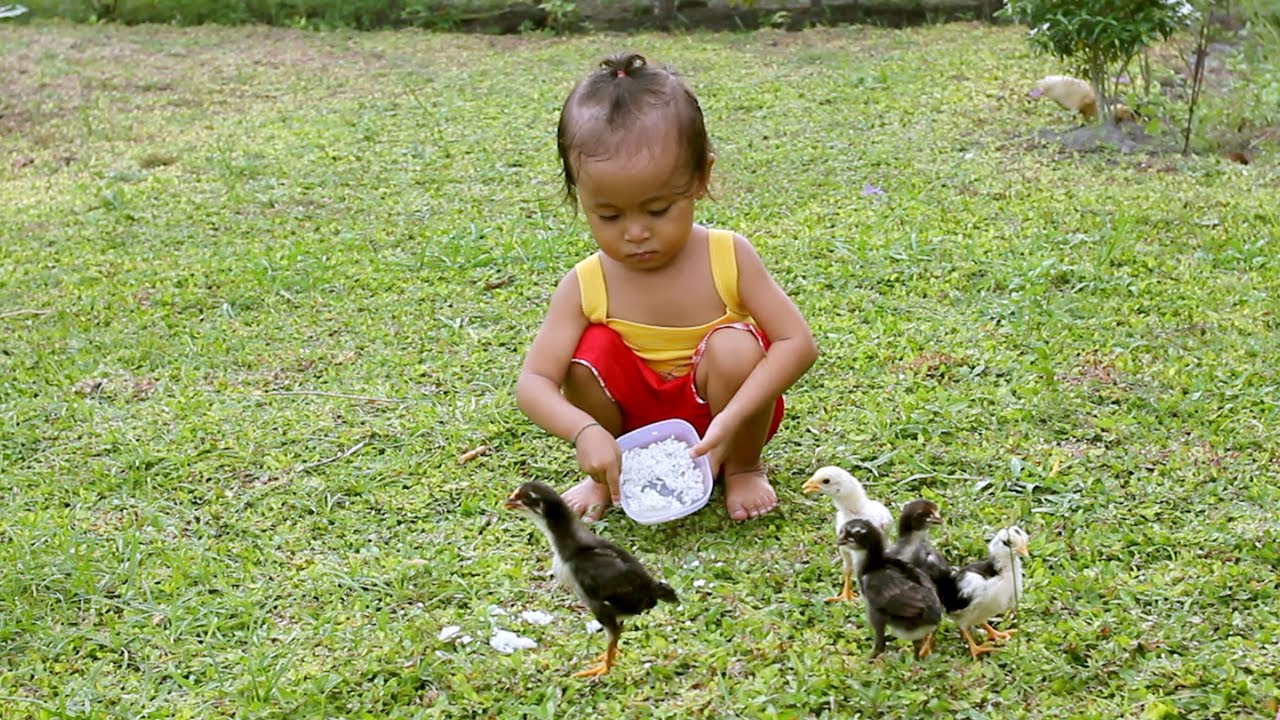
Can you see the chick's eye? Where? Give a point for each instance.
(826, 481)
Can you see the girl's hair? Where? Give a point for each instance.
(616, 98)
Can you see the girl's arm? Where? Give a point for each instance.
(792, 349)
(547, 362)
(542, 375)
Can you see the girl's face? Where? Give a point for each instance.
(639, 203)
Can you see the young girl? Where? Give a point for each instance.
(669, 318)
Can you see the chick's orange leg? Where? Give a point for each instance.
(995, 635)
(605, 655)
(925, 647)
(846, 593)
(974, 648)
(604, 664)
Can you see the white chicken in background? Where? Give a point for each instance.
(1071, 93)
(990, 587)
(1078, 96)
(851, 502)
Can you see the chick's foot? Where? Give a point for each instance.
(997, 636)
(975, 650)
(604, 663)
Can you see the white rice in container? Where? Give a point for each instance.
(660, 477)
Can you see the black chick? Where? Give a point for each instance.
(899, 598)
(914, 548)
(913, 545)
(611, 582)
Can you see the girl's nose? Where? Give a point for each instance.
(635, 232)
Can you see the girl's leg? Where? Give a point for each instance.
(581, 387)
(728, 358)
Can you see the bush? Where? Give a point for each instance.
(1099, 37)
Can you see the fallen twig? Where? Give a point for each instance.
(24, 311)
(363, 398)
(473, 453)
(349, 451)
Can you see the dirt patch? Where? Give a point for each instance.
(932, 363)
(1126, 137)
(1091, 369)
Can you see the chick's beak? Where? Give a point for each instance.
(513, 501)
(935, 519)
(1022, 550)
(811, 485)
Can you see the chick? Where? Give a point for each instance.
(990, 587)
(608, 580)
(900, 599)
(1078, 96)
(1071, 93)
(851, 502)
(1123, 113)
(913, 546)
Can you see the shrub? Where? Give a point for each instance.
(1099, 38)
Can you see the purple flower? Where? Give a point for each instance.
(869, 189)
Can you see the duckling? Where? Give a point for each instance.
(851, 502)
(900, 599)
(608, 580)
(990, 587)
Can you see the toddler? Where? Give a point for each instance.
(668, 318)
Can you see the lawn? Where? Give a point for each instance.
(260, 288)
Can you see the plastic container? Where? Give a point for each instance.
(657, 432)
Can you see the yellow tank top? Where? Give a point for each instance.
(668, 350)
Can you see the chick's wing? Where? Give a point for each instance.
(896, 595)
(607, 573)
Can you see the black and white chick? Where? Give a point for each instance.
(606, 578)
(990, 587)
(913, 546)
(851, 501)
(900, 599)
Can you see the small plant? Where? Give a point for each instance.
(1099, 37)
(562, 15)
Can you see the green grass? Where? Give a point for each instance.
(196, 223)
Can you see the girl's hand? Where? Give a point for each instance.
(715, 441)
(600, 456)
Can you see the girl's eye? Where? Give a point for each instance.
(659, 213)
(607, 218)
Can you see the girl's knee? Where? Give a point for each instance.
(732, 352)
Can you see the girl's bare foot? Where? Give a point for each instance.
(588, 499)
(748, 494)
